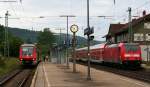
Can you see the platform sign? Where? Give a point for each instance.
(146, 49)
(88, 31)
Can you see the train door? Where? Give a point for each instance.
(119, 56)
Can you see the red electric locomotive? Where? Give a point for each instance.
(121, 53)
(28, 54)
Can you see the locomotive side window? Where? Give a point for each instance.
(27, 51)
(130, 47)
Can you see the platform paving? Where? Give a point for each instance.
(54, 75)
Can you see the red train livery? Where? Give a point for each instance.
(28, 54)
(121, 53)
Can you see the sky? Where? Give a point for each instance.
(26, 14)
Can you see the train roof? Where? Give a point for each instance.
(30, 45)
(131, 43)
(84, 48)
(128, 44)
(93, 47)
(104, 44)
(97, 46)
(120, 44)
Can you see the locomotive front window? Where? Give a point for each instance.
(132, 48)
(27, 51)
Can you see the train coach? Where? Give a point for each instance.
(121, 53)
(28, 54)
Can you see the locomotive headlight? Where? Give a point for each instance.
(136, 55)
(132, 55)
(127, 55)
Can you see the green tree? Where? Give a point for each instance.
(45, 40)
(2, 29)
(1, 33)
(29, 41)
(14, 43)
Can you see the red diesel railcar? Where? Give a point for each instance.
(121, 53)
(28, 54)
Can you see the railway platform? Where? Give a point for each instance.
(145, 66)
(54, 75)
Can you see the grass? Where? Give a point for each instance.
(7, 65)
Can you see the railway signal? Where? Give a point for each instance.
(91, 38)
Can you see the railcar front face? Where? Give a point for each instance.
(27, 55)
(132, 53)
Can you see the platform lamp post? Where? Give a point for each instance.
(55, 51)
(60, 39)
(67, 38)
(74, 29)
(130, 25)
(88, 42)
(6, 43)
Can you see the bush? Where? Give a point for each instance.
(8, 65)
(2, 62)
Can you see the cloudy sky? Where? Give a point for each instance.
(29, 12)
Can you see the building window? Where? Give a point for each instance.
(147, 37)
(147, 25)
(113, 40)
(138, 37)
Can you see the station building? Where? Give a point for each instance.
(140, 34)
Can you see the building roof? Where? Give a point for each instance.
(134, 22)
(118, 28)
(114, 28)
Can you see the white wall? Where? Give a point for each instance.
(144, 52)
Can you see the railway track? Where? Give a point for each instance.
(140, 74)
(17, 79)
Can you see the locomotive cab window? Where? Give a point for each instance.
(27, 51)
(131, 47)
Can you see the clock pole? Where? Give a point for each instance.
(74, 60)
(74, 29)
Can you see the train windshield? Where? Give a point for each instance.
(131, 47)
(27, 51)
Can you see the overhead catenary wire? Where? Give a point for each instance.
(34, 21)
(133, 10)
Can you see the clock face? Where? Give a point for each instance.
(74, 28)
